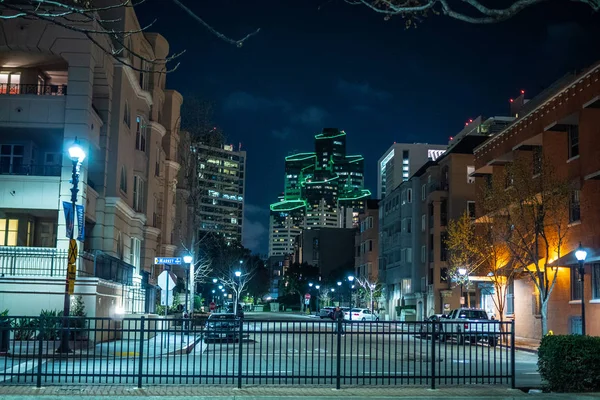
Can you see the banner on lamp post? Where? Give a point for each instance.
(69, 218)
(80, 222)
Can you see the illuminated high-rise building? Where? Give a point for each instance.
(324, 188)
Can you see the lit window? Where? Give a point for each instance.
(9, 229)
(140, 134)
(135, 251)
(470, 170)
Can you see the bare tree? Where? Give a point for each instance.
(236, 278)
(480, 249)
(471, 11)
(371, 287)
(531, 214)
(95, 19)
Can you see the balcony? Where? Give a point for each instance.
(16, 261)
(30, 169)
(35, 89)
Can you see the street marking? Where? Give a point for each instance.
(531, 373)
(17, 370)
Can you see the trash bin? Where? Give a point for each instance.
(4, 335)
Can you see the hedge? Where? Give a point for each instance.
(570, 363)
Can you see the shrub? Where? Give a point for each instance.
(570, 363)
(25, 328)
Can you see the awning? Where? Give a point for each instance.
(569, 259)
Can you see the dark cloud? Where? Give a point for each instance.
(255, 234)
(311, 116)
(247, 101)
(363, 90)
(282, 133)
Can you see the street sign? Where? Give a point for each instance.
(72, 251)
(164, 298)
(212, 306)
(166, 280)
(168, 260)
(307, 296)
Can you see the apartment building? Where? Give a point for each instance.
(68, 91)
(401, 161)
(366, 242)
(560, 127)
(413, 220)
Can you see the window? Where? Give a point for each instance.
(470, 170)
(510, 298)
(409, 225)
(575, 285)
(443, 246)
(11, 158)
(508, 176)
(406, 286)
(123, 184)
(370, 245)
(127, 115)
(575, 206)
(423, 222)
(144, 75)
(409, 195)
(135, 250)
(9, 229)
(409, 255)
(537, 160)
(138, 193)
(573, 132)
(140, 134)
(423, 254)
(471, 209)
(405, 154)
(423, 192)
(157, 164)
(595, 281)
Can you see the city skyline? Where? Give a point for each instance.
(376, 80)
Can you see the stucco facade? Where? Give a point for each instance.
(57, 87)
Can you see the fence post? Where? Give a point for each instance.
(434, 337)
(512, 354)
(339, 354)
(240, 352)
(141, 351)
(38, 383)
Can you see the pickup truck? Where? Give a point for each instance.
(470, 324)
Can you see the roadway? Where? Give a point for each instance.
(292, 349)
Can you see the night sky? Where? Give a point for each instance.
(343, 66)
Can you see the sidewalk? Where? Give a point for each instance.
(525, 344)
(196, 392)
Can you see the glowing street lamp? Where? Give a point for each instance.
(581, 255)
(189, 260)
(77, 155)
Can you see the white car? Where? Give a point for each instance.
(360, 314)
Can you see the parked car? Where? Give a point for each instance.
(431, 324)
(326, 312)
(240, 310)
(221, 326)
(360, 314)
(471, 324)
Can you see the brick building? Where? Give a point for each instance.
(560, 126)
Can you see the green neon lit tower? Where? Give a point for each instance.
(322, 189)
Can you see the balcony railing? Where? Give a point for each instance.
(35, 89)
(30, 169)
(51, 262)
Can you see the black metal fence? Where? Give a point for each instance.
(148, 351)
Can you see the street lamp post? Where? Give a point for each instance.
(310, 285)
(332, 294)
(581, 255)
(317, 298)
(77, 156)
(237, 274)
(190, 307)
(340, 299)
(351, 279)
(462, 272)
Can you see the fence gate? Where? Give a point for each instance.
(148, 351)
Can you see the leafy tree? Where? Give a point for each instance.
(296, 280)
(260, 283)
(530, 214)
(480, 249)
